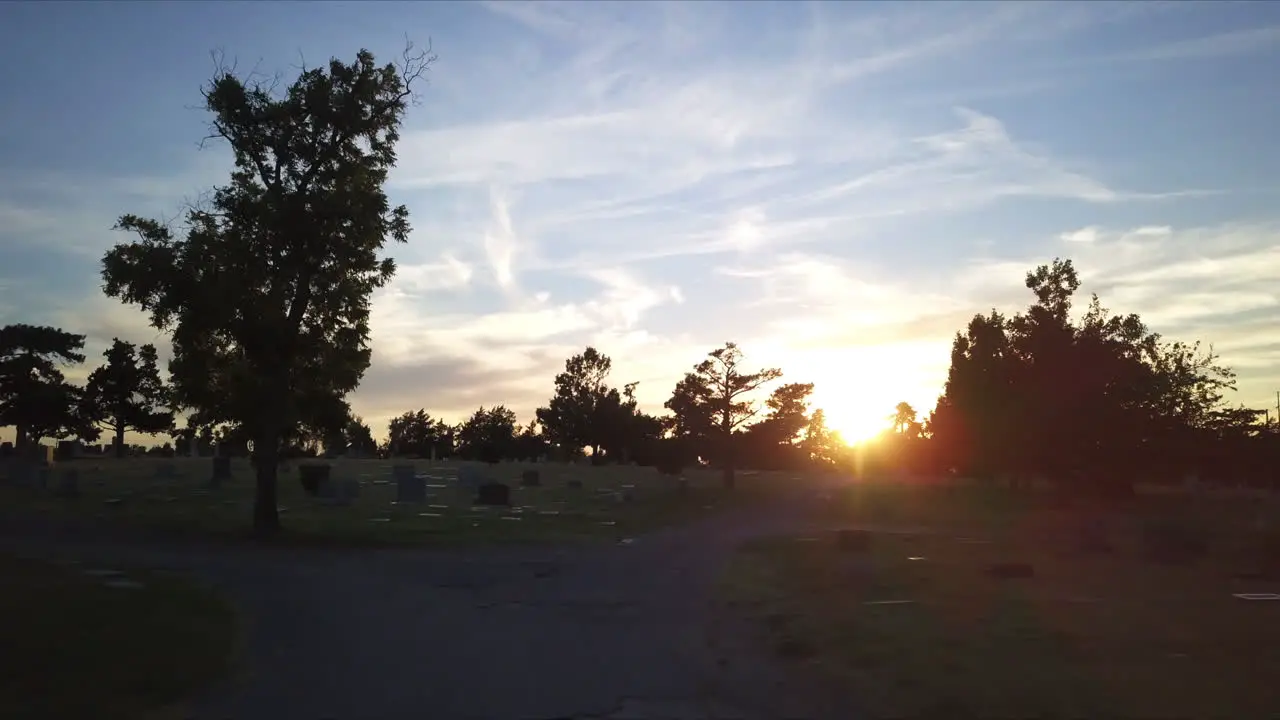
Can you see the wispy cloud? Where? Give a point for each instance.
(837, 186)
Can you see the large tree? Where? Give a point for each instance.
(713, 400)
(127, 394)
(573, 417)
(417, 433)
(35, 397)
(1101, 398)
(490, 435)
(267, 295)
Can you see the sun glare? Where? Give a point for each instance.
(857, 430)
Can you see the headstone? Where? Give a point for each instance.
(574, 484)
(193, 447)
(470, 477)
(6, 449)
(313, 476)
(67, 450)
(69, 483)
(27, 474)
(530, 478)
(221, 470)
(410, 487)
(433, 454)
(42, 455)
(493, 494)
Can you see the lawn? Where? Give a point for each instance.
(916, 625)
(614, 503)
(89, 643)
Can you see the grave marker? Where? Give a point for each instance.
(470, 477)
(221, 470)
(410, 487)
(493, 494)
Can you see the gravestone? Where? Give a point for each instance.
(193, 447)
(530, 478)
(27, 474)
(68, 450)
(470, 477)
(312, 476)
(410, 487)
(493, 494)
(69, 483)
(6, 449)
(574, 484)
(41, 455)
(221, 470)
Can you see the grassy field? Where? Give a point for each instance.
(916, 625)
(614, 503)
(83, 642)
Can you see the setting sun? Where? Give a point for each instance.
(855, 427)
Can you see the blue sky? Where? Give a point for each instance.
(836, 186)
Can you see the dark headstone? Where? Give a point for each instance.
(6, 449)
(858, 541)
(493, 494)
(410, 487)
(574, 484)
(1011, 571)
(312, 476)
(530, 478)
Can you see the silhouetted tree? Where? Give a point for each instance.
(1098, 401)
(127, 394)
(771, 443)
(267, 296)
(576, 414)
(417, 433)
(488, 435)
(711, 400)
(359, 437)
(35, 397)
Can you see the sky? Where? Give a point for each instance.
(837, 187)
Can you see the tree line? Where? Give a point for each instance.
(264, 288)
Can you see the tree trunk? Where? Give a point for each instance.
(20, 439)
(266, 516)
(119, 441)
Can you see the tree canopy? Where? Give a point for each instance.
(266, 292)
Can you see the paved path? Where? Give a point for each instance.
(502, 634)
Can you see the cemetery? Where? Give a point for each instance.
(1083, 525)
(955, 601)
(371, 501)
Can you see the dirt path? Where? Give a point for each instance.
(599, 632)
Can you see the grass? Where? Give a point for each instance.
(76, 647)
(128, 493)
(1105, 635)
